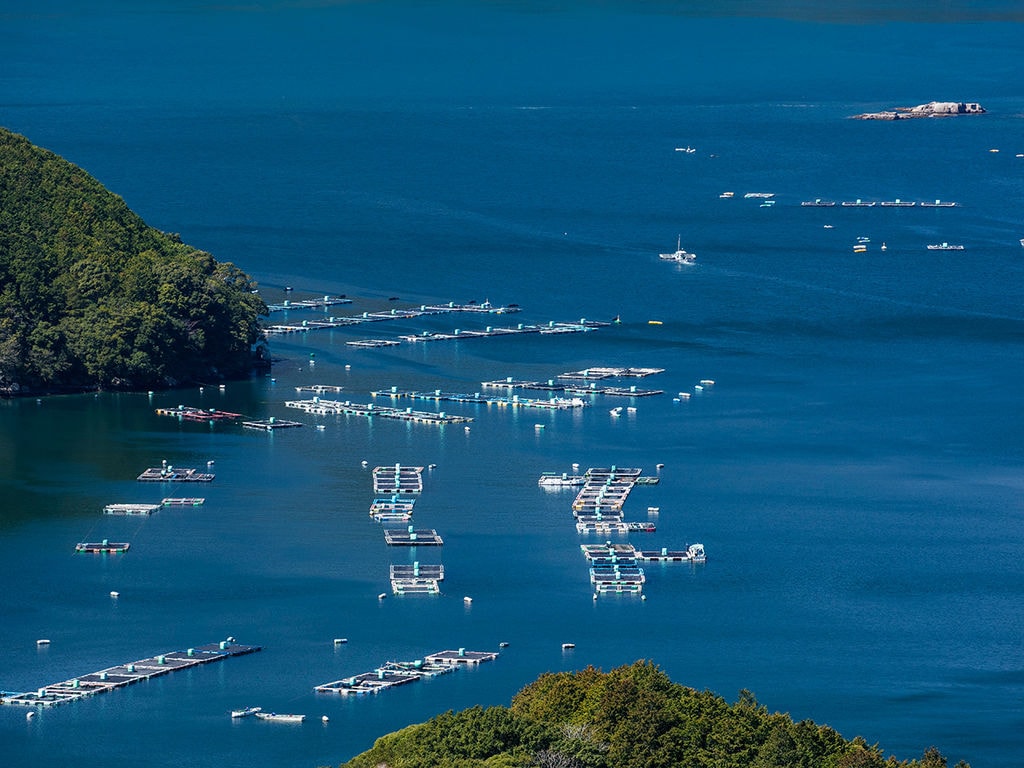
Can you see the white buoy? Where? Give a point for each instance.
(115, 595)
(382, 595)
(231, 639)
(29, 715)
(364, 462)
(325, 719)
(467, 429)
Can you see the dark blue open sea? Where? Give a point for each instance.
(855, 472)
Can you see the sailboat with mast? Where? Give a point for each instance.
(680, 256)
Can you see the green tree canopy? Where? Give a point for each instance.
(90, 296)
(631, 716)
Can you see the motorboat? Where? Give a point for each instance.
(276, 718)
(246, 711)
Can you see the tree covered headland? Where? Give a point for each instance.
(92, 297)
(631, 717)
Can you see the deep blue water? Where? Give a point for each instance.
(855, 472)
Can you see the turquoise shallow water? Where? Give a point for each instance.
(854, 472)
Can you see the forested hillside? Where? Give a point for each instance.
(631, 717)
(92, 297)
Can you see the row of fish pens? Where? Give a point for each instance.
(397, 480)
(553, 403)
(551, 327)
(320, 407)
(122, 675)
(393, 314)
(144, 510)
(395, 673)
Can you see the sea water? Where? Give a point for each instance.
(854, 472)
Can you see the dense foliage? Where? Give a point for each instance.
(631, 717)
(92, 297)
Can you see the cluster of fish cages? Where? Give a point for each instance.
(396, 673)
(122, 675)
(514, 401)
(320, 407)
(598, 508)
(402, 483)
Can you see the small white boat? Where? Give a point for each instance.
(680, 256)
(568, 646)
(236, 713)
(467, 600)
(42, 642)
(276, 718)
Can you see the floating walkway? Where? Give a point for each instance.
(126, 674)
(168, 474)
(397, 479)
(132, 510)
(320, 407)
(184, 502)
(396, 673)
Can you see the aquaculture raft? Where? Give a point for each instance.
(395, 673)
(131, 509)
(392, 510)
(397, 479)
(167, 474)
(126, 674)
(416, 579)
(423, 537)
(102, 547)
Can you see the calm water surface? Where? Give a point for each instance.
(855, 473)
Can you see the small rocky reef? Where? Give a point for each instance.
(931, 109)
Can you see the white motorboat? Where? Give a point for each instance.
(276, 718)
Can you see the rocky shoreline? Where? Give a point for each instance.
(931, 109)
